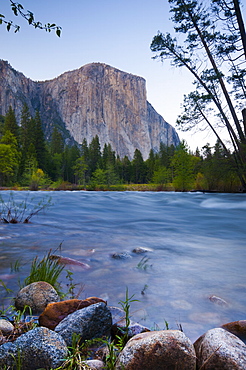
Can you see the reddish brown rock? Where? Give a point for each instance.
(36, 295)
(237, 328)
(69, 261)
(56, 312)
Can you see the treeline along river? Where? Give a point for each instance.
(196, 243)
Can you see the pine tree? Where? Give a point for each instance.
(213, 50)
(10, 124)
(183, 166)
(94, 154)
(25, 139)
(40, 147)
(138, 168)
(57, 143)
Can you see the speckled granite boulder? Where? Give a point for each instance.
(165, 350)
(90, 322)
(220, 350)
(7, 350)
(37, 296)
(38, 348)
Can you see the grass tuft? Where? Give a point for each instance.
(47, 270)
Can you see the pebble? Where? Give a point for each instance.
(6, 327)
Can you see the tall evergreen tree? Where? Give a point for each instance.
(94, 154)
(183, 166)
(108, 156)
(71, 154)
(126, 170)
(2, 119)
(10, 124)
(26, 136)
(151, 164)
(80, 170)
(138, 168)
(40, 147)
(85, 150)
(57, 142)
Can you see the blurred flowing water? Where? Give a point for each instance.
(197, 248)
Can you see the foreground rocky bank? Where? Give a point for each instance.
(49, 345)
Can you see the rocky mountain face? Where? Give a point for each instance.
(94, 100)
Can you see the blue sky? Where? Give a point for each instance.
(115, 32)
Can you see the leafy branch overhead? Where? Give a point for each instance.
(19, 10)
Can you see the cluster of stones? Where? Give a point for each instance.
(46, 346)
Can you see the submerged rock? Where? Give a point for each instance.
(166, 350)
(219, 301)
(220, 350)
(69, 261)
(56, 312)
(90, 322)
(36, 295)
(140, 250)
(121, 256)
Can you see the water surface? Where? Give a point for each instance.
(196, 242)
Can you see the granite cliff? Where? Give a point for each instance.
(94, 100)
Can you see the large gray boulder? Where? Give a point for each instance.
(219, 349)
(158, 350)
(90, 322)
(38, 348)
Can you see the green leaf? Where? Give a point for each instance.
(58, 32)
(15, 10)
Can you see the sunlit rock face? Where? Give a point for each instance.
(94, 100)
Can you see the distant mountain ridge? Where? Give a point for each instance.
(95, 99)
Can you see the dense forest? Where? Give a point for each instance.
(28, 160)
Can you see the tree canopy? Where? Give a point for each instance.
(212, 47)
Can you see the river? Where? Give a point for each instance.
(196, 249)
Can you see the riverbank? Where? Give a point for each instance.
(119, 187)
